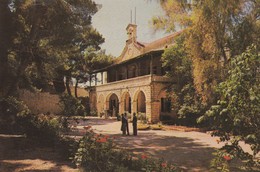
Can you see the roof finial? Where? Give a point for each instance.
(135, 15)
(131, 16)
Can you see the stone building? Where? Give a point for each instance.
(135, 82)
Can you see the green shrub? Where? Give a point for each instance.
(98, 153)
(72, 106)
(11, 109)
(188, 115)
(44, 129)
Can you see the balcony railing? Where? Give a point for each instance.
(133, 82)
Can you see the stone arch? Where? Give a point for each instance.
(139, 103)
(126, 102)
(101, 104)
(112, 104)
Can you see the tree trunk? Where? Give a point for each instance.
(68, 85)
(76, 88)
(6, 31)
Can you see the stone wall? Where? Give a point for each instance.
(41, 102)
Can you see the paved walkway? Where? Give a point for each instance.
(190, 150)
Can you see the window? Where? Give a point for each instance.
(166, 105)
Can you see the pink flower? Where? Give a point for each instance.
(101, 140)
(164, 164)
(227, 158)
(144, 156)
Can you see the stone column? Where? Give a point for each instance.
(102, 78)
(151, 65)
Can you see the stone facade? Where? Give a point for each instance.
(136, 81)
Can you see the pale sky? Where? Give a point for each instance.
(114, 16)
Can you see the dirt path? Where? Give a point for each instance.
(17, 155)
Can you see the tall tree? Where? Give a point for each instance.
(43, 36)
(216, 31)
(186, 104)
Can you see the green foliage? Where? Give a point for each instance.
(15, 117)
(99, 153)
(215, 31)
(40, 38)
(221, 162)
(85, 63)
(11, 110)
(235, 118)
(72, 106)
(186, 102)
(42, 128)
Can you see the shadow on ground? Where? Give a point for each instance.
(183, 152)
(19, 154)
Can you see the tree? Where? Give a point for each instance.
(6, 32)
(187, 104)
(40, 38)
(90, 60)
(235, 117)
(216, 31)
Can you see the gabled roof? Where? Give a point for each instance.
(138, 48)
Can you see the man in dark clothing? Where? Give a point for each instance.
(135, 124)
(126, 122)
(123, 125)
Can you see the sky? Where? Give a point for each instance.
(114, 16)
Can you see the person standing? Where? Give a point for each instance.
(126, 122)
(134, 124)
(123, 125)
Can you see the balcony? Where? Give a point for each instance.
(132, 82)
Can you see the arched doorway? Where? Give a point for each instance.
(113, 105)
(126, 100)
(140, 102)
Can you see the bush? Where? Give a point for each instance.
(188, 115)
(99, 153)
(72, 106)
(142, 117)
(42, 128)
(141, 126)
(11, 109)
